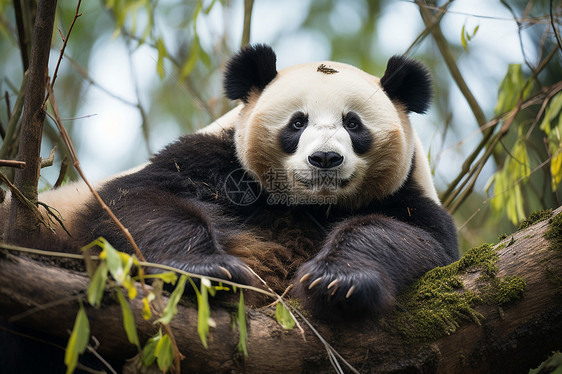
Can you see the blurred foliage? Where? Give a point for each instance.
(178, 89)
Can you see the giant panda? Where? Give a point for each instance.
(316, 180)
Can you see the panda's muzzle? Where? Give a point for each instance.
(325, 160)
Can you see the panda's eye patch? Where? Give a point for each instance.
(351, 121)
(298, 121)
(361, 137)
(290, 134)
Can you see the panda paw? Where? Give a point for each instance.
(338, 290)
(221, 266)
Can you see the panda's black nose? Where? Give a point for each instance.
(325, 160)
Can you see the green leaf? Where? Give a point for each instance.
(149, 350)
(205, 58)
(193, 56)
(553, 131)
(162, 53)
(146, 311)
(508, 197)
(172, 307)
(113, 259)
(204, 320)
(78, 340)
(466, 37)
(168, 277)
(97, 285)
(463, 39)
(510, 89)
(164, 353)
(128, 320)
(208, 9)
(243, 342)
(284, 317)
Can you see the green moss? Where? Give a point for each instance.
(502, 237)
(507, 290)
(483, 258)
(539, 215)
(437, 303)
(554, 233)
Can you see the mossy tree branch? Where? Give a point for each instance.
(500, 329)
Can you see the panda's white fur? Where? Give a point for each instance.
(324, 98)
(384, 226)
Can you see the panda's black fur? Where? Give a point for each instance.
(179, 209)
(179, 212)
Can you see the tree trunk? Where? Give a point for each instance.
(23, 221)
(508, 339)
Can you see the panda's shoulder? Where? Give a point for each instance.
(199, 148)
(195, 164)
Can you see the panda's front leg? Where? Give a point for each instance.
(363, 264)
(183, 233)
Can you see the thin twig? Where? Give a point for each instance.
(62, 172)
(13, 164)
(12, 125)
(46, 162)
(554, 29)
(75, 256)
(280, 300)
(453, 189)
(65, 41)
(24, 200)
(248, 6)
(76, 164)
(434, 21)
(451, 64)
(521, 179)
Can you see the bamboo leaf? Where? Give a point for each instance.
(243, 341)
(114, 263)
(193, 56)
(128, 320)
(97, 285)
(164, 353)
(162, 53)
(146, 311)
(204, 320)
(78, 340)
(556, 169)
(284, 317)
(149, 350)
(511, 89)
(463, 39)
(168, 277)
(508, 197)
(172, 307)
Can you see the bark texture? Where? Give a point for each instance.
(23, 220)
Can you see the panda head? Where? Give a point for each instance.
(326, 129)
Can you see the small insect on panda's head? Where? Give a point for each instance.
(326, 129)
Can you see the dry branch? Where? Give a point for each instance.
(509, 339)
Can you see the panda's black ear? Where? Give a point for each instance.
(251, 69)
(409, 82)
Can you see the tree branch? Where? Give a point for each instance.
(22, 220)
(508, 337)
(451, 64)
